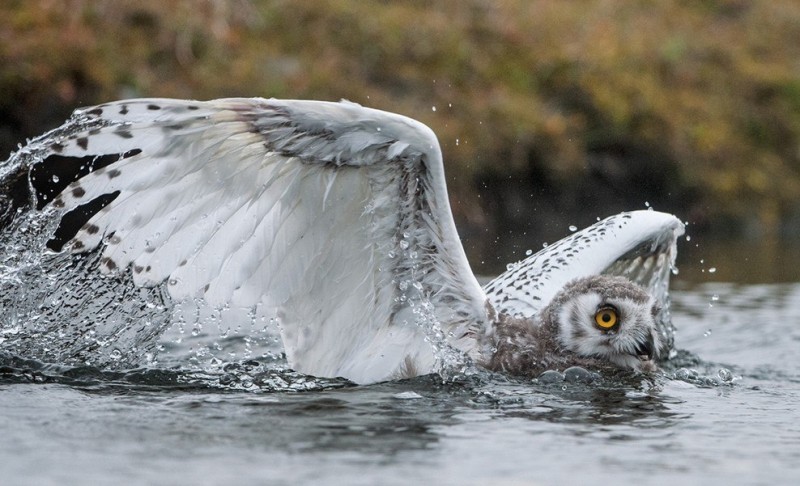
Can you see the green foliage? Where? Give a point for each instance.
(692, 106)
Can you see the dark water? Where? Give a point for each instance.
(724, 412)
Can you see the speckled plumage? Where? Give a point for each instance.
(333, 217)
(563, 335)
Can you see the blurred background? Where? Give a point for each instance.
(550, 114)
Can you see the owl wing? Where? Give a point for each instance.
(332, 216)
(639, 245)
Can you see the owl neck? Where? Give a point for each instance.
(525, 346)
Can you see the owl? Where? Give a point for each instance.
(334, 218)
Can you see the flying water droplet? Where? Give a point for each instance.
(528, 252)
(55, 178)
(572, 227)
(712, 270)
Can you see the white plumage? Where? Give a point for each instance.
(332, 216)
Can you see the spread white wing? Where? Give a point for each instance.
(639, 245)
(332, 215)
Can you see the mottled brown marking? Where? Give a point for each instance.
(113, 173)
(109, 263)
(95, 112)
(407, 370)
(78, 192)
(92, 229)
(131, 153)
(153, 107)
(83, 143)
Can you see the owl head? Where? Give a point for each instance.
(609, 318)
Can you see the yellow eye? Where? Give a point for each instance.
(606, 318)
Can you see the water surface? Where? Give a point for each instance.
(724, 412)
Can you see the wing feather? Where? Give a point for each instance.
(332, 215)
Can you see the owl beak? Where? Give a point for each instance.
(645, 350)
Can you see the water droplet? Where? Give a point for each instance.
(572, 227)
(707, 333)
(715, 297)
(404, 244)
(55, 178)
(712, 270)
(433, 108)
(545, 245)
(688, 238)
(510, 266)
(528, 252)
(646, 204)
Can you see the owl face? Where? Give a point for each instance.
(609, 318)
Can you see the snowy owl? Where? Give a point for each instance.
(335, 218)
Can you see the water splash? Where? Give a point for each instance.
(55, 307)
(59, 310)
